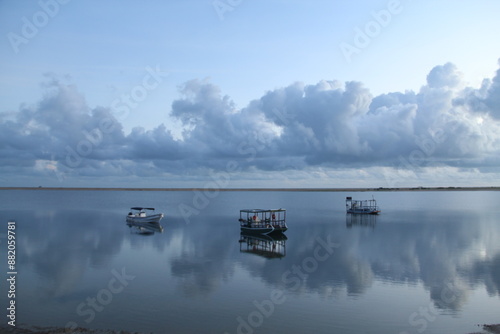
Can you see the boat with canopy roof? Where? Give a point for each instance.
(263, 221)
(362, 206)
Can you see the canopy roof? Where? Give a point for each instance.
(140, 208)
(262, 210)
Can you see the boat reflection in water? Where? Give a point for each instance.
(271, 246)
(145, 228)
(360, 220)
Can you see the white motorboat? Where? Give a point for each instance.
(140, 216)
(144, 223)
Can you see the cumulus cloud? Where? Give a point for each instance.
(444, 76)
(485, 100)
(324, 125)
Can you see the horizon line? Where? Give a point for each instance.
(344, 189)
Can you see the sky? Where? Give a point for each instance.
(238, 93)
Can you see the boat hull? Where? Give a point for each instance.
(364, 212)
(257, 230)
(280, 228)
(148, 219)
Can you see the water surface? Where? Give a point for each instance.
(429, 263)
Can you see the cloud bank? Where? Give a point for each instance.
(330, 128)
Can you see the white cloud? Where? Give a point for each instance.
(300, 128)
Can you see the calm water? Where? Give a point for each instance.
(429, 263)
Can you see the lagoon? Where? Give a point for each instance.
(430, 262)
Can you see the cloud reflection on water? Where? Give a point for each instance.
(448, 254)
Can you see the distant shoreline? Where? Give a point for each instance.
(264, 189)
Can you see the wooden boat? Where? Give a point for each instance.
(263, 221)
(362, 207)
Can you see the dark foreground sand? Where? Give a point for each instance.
(487, 329)
(23, 329)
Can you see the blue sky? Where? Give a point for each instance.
(292, 93)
